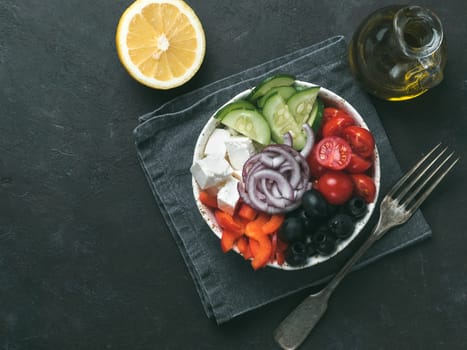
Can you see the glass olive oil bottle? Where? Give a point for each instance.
(398, 52)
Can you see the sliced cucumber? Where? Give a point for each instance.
(284, 91)
(267, 84)
(301, 104)
(249, 123)
(316, 115)
(281, 121)
(299, 87)
(239, 104)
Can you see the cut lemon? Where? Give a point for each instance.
(161, 43)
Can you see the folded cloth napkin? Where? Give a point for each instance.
(165, 141)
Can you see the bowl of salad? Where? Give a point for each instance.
(286, 174)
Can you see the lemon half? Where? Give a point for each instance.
(161, 43)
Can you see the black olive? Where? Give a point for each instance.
(296, 254)
(341, 225)
(310, 248)
(357, 207)
(292, 229)
(310, 225)
(324, 242)
(315, 205)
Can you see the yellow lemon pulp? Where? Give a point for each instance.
(161, 43)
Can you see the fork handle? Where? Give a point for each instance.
(295, 328)
(299, 323)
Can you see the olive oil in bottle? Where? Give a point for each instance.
(398, 52)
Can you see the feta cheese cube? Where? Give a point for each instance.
(216, 143)
(228, 196)
(211, 171)
(239, 149)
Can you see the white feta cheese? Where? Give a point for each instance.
(216, 143)
(239, 149)
(211, 171)
(228, 196)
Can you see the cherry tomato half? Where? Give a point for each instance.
(335, 186)
(316, 169)
(361, 140)
(357, 164)
(333, 153)
(364, 187)
(331, 112)
(336, 125)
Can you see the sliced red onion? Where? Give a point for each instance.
(310, 140)
(251, 199)
(273, 199)
(251, 165)
(287, 137)
(283, 185)
(275, 179)
(255, 197)
(275, 191)
(289, 158)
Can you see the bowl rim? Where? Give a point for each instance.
(330, 99)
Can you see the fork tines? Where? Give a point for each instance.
(415, 186)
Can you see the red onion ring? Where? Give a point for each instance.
(310, 140)
(287, 139)
(275, 179)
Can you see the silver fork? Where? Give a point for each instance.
(396, 208)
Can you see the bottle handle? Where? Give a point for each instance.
(432, 72)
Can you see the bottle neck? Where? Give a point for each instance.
(418, 31)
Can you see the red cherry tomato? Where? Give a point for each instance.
(335, 186)
(357, 164)
(336, 125)
(333, 153)
(331, 112)
(361, 140)
(364, 187)
(316, 169)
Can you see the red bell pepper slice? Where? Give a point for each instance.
(273, 224)
(244, 247)
(254, 247)
(274, 247)
(207, 199)
(280, 258)
(261, 252)
(254, 228)
(228, 222)
(281, 245)
(228, 240)
(246, 212)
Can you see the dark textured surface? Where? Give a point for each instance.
(85, 260)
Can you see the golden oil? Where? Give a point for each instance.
(398, 52)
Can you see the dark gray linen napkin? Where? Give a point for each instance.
(165, 140)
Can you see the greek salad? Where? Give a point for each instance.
(286, 176)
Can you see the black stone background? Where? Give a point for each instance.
(86, 261)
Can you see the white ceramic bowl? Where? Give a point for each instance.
(330, 99)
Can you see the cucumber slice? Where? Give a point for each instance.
(301, 104)
(299, 87)
(284, 91)
(249, 123)
(316, 115)
(267, 84)
(239, 104)
(281, 121)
